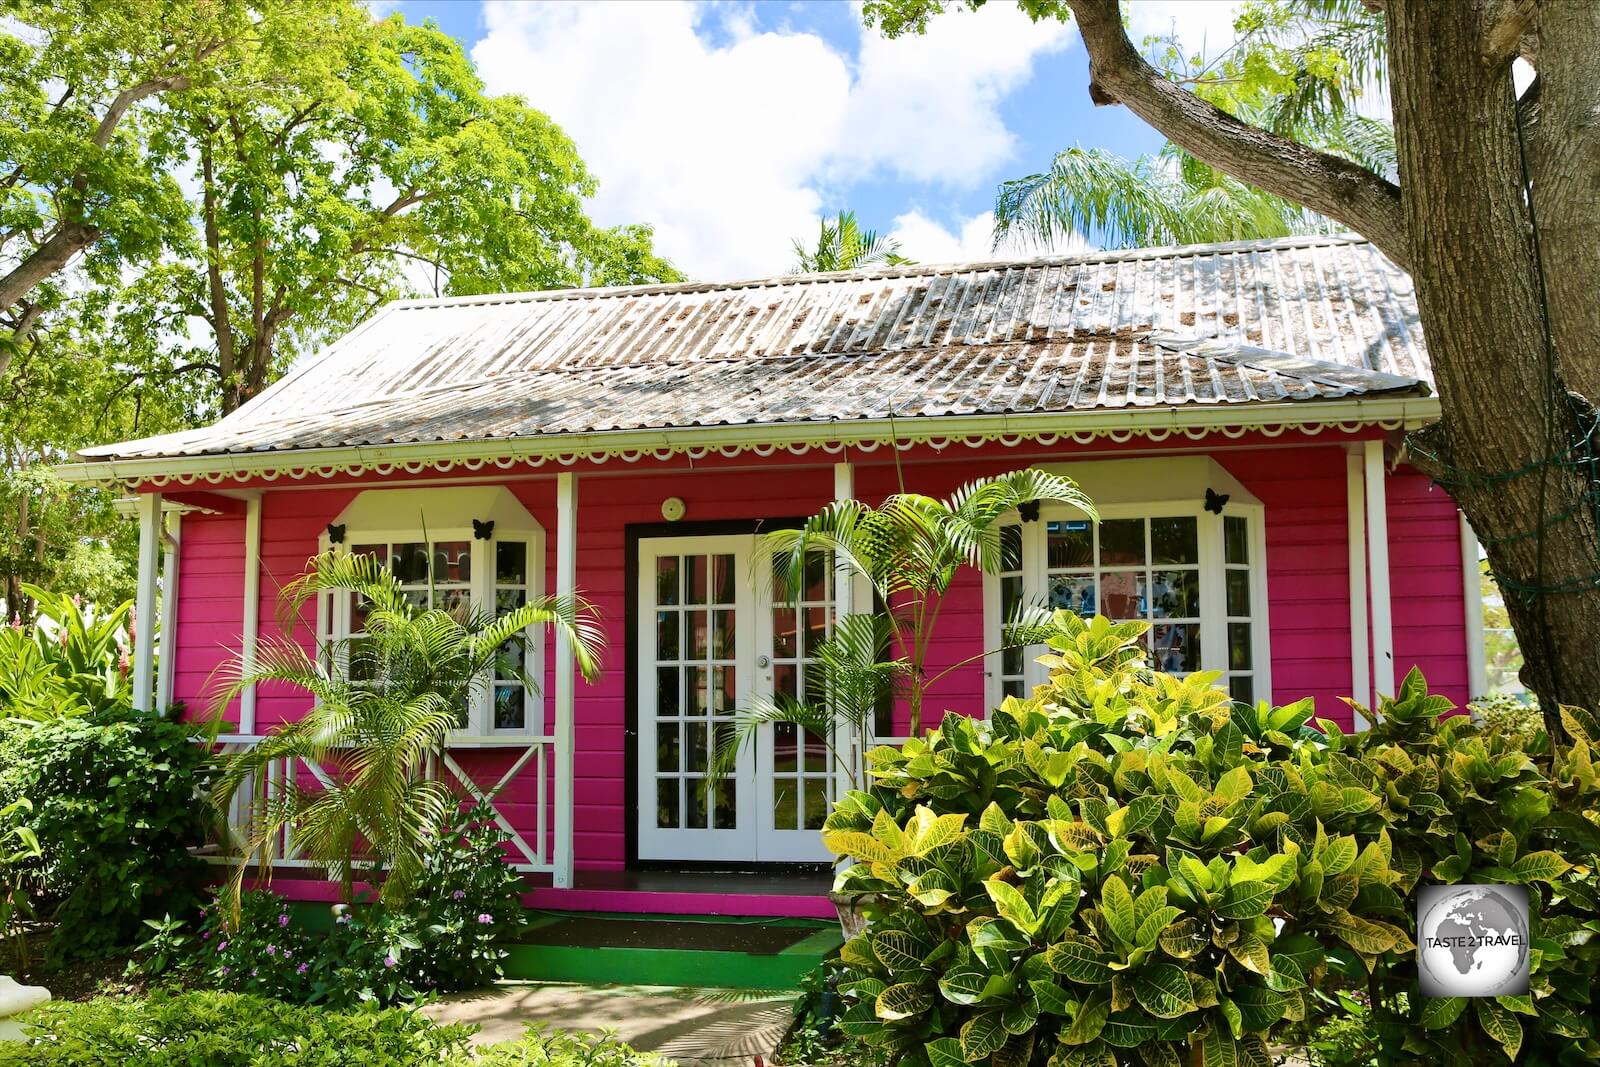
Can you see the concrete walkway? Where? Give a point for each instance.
(695, 1027)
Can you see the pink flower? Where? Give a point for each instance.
(205, 935)
(486, 918)
(459, 894)
(224, 970)
(302, 969)
(287, 954)
(222, 946)
(272, 950)
(390, 961)
(283, 920)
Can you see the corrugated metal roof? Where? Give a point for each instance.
(1313, 318)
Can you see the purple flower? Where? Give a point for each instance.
(486, 918)
(224, 970)
(222, 945)
(205, 935)
(458, 894)
(390, 961)
(252, 972)
(287, 954)
(283, 920)
(272, 950)
(302, 969)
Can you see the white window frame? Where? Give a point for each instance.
(1213, 590)
(333, 612)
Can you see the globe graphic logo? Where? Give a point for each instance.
(1472, 940)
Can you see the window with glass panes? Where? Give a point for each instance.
(801, 765)
(447, 573)
(1192, 575)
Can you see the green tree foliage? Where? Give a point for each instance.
(843, 245)
(74, 661)
(1129, 868)
(386, 700)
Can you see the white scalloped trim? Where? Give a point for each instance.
(904, 443)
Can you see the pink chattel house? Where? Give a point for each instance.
(1237, 413)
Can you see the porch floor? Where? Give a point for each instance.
(794, 895)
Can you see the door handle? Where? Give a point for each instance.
(763, 662)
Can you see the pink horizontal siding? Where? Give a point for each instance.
(1301, 482)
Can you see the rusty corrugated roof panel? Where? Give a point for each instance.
(1311, 318)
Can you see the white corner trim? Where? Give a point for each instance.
(145, 585)
(1472, 592)
(1378, 570)
(251, 623)
(1356, 533)
(172, 535)
(566, 678)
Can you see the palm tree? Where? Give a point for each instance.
(843, 245)
(910, 548)
(385, 701)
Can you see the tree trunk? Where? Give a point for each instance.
(1501, 387)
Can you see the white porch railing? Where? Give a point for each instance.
(534, 758)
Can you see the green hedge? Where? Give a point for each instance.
(210, 1029)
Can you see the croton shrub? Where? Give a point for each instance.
(1127, 867)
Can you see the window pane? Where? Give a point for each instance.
(512, 660)
(816, 803)
(1121, 542)
(377, 552)
(694, 580)
(1238, 592)
(1236, 539)
(1011, 661)
(1177, 647)
(727, 810)
(667, 580)
(1012, 688)
(666, 635)
(1073, 592)
(452, 600)
(1122, 595)
(1174, 540)
(694, 690)
(510, 712)
(667, 803)
(1011, 548)
(784, 637)
(1242, 688)
(1070, 543)
(410, 562)
(511, 563)
(696, 622)
(1239, 646)
(668, 756)
(1175, 594)
(452, 561)
(722, 591)
(509, 600)
(668, 700)
(785, 747)
(786, 804)
(1010, 596)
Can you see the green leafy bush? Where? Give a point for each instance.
(1127, 867)
(116, 805)
(210, 1029)
(73, 661)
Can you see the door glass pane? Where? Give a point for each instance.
(784, 632)
(697, 622)
(694, 580)
(511, 563)
(695, 691)
(666, 635)
(816, 803)
(1236, 539)
(1238, 592)
(727, 804)
(816, 751)
(667, 807)
(667, 752)
(786, 804)
(695, 795)
(667, 580)
(667, 693)
(722, 580)
(785, 747)
(722, 646)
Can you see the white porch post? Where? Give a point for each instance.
(1472, 590)
(148, 508)
(844, 603)
(1378, 570)
(566, 677)
(1356, 532)
(172, 531)
(252, 610)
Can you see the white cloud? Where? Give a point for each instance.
(729, 140)
(927, 240)
(1200, 25)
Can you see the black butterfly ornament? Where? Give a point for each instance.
(1215, 501)
(336, 533)
(482, 529)
(1028, 511)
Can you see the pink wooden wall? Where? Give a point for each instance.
(1302, 487)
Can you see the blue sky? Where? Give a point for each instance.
(732, 127)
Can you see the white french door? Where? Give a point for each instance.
(713, 634)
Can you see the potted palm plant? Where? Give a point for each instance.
(909, 550)
(385, 701)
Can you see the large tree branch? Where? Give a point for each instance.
(64, 243)
(1325, 183)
